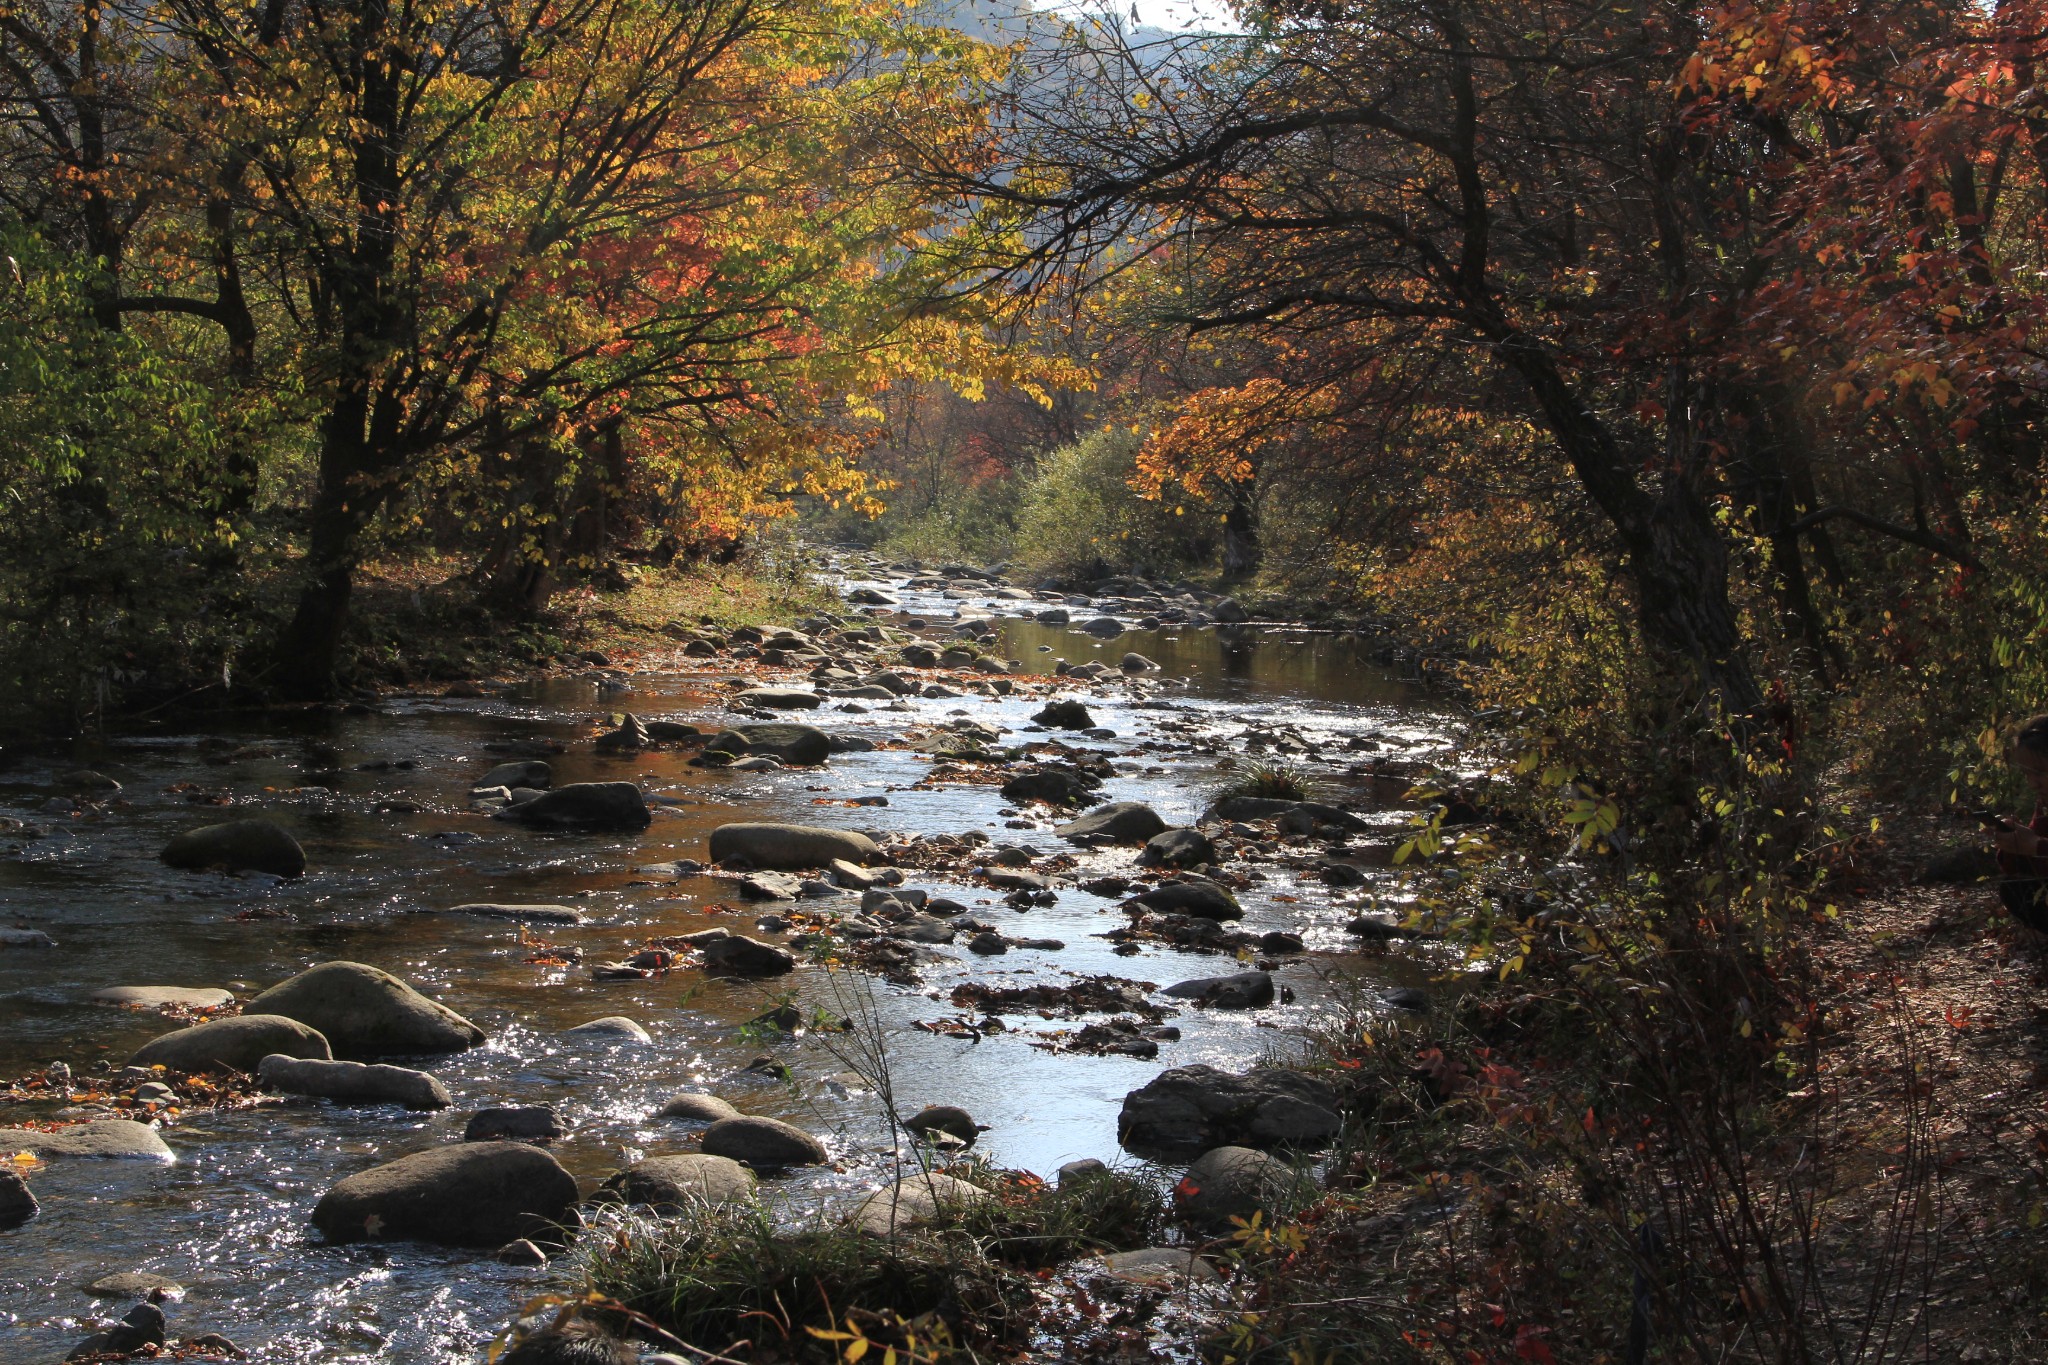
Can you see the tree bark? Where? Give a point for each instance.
(1677, 557)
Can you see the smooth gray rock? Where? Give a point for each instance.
(923, 929)
(678, 1184)
(140, 1330)
(473, 1194)
(1238, 991)
(945, 1118)
(17, 1201)
(114, 1139)
(253, 845)
(915, 1201)
(852, 876)
(235, 1044)
(521, 1252)
(1203, 899)
(1126, 822)
(738, 955)
(763, 1143)
(163, 997)
(1269, 808)
(1055, 786)
(630, 737)
(514, 1123)
(615, 1026)
(1235, 1182)
(800, 746)
(134, 1284)
(25, 938)
(365, 1012)
(696, 1108)
(1074, 1172)
(1191, 1109)
(778, 698)
(584, 807)
(778, 846)
(530, 772)
(1184, 847)
(353, 1082)
(1064, 715)
(523, 914)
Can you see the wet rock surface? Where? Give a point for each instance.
(674, 1185)
(353, 1082)
(1191, 1109)
(254, 845)
(238, 1044)
(472, 1194)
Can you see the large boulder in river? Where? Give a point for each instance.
(163, 997)
(678, 1184)
(790, 846)
(368, 1013)
(584, 807)
(1196, 896)
(1178, 848)
(254, 845)
(1236, 1182)
(527, 772)
(1055, 786)
(17, 1201)
(468, 1194)
(1272, 808)
(800, 746)
(692, 1107)
(1065, 715)
(778, 698)
(112, 1139)
(738, 955)
(1238, 991)
(237, 1044)
(353, 1082)
(915, 1201)
(1192, 1109)
(1124, 822)
(764, 1143)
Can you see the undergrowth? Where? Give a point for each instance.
(726, 1276)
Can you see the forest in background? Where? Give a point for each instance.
(1675, 369)
(1657, 352)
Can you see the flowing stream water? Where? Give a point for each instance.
(379, 798)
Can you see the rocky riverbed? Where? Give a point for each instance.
(976, 816)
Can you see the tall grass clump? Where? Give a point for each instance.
(1269, 781)
(727, 1275)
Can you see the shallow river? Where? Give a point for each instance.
(228, 1218)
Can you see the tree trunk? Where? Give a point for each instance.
(1241, 551)
(1677, 557)
(342, 507)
